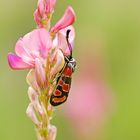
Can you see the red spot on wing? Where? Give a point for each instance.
(68, 71)
(60, 82)
(66, 87)
(59, 100)
(57, 93)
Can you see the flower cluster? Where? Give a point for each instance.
(43, 51)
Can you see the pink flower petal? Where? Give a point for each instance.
(17, 63)
(37, 18)
(38, 43)
(67, 20)
(41, 7)
(19, 49)
(23, 52)
(39, 13)
(45, 42)
(50, 6)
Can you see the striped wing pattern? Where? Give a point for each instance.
(61, 92)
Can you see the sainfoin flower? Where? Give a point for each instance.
(43, 52)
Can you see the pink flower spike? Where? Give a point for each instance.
(16, 63)
(67, 20)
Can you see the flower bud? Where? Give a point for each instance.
(31, 79)
(33, 95)
(43, 13)
(52, 132)
(32, 115)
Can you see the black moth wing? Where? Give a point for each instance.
(60, 95)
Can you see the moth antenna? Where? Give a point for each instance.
(67, 38)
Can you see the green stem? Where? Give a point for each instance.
(44, 99)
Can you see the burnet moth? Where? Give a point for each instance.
(63, 84)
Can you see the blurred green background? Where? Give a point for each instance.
(114, 26)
